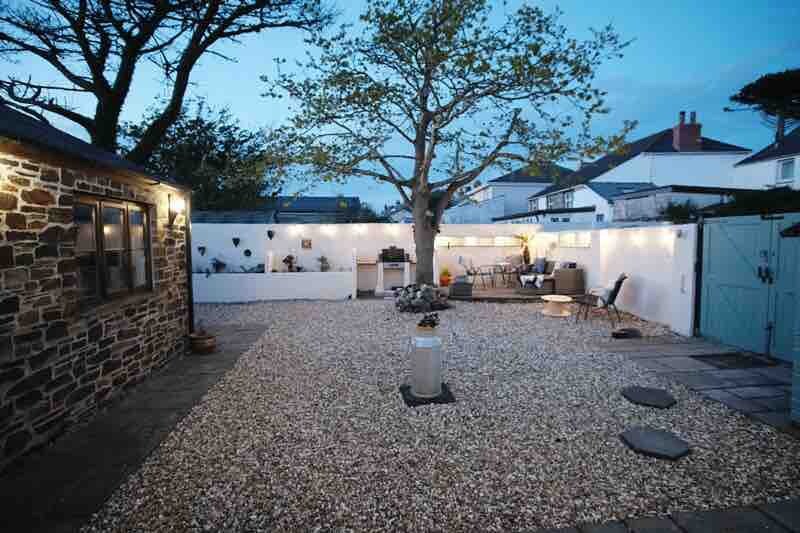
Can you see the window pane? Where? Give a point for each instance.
(87, 279)
(139, 266)
(116, 277)
(136, 220)
(113, 228)
(787, 170)
(84, 218)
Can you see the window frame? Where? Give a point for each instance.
(98, 203)
(779, 179)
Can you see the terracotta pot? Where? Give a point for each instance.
(202, 343)
(444, 281)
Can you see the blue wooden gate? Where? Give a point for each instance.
(751, 283)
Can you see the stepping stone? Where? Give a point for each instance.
(649, 397)
(655, 443)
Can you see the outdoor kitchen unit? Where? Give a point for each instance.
(392, 259)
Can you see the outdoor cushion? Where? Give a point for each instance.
(539, 265)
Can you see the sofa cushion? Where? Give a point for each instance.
(539, 265)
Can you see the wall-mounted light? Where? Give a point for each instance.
(177, 205)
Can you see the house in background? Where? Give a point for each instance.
(679, 156)
(288, 210)
(776, 165)
(503, 196)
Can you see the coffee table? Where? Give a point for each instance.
(556, 305)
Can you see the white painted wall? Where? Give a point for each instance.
(659, 263)
(683, 168)
(336, 242)
(238, 288)
(763, 175)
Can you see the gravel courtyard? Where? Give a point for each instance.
(308, 432)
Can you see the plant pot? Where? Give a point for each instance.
(423, 331)
(444, 281)
(202, 343)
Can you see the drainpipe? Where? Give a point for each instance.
(189, 261)
(698, 278)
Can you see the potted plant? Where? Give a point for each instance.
(427, 326)
(289, 262)
(219, 266)
(201, 341)
(444, 277)
(324, 265)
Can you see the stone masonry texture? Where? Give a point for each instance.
(60, 364)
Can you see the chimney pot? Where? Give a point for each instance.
(693, 117)
(682, 117)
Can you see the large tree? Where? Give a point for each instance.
(96, 46)
(225, 165)
(430, 94)
(776, 97)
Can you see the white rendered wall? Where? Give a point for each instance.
(659, 261)
(762, 175)
(698, 169)
(238, 288)
(337, 242)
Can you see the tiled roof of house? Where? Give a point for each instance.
(286, 209)
(241, 216)
(546, 174)
(18, 126)
(658, 143)
(788, 146)
(610, 189)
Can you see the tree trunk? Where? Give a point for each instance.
(424, 235)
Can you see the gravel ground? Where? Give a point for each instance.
(308, 432)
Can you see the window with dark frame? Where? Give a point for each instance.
(112, 249)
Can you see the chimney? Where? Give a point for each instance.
(686, 137)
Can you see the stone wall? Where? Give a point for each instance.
(58, 363)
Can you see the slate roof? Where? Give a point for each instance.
(286, 209)
(660, 143)
(18, 126)
(788, 146)
(610, 189)
(544, 175)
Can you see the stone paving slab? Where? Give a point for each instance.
(653, 525)
(750, 393)
(59, 487)
(786, 513)
(733, 401)
(731, 520)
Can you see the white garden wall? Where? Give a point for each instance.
(239, 288)
(337, 242)
(659, 261)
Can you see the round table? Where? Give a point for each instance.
(556, 305)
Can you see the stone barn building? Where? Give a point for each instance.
(94, 292)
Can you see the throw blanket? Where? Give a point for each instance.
(537, 279)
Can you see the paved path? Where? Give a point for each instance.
(60, 487)
(762, 393)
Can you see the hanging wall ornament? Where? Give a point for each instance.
(202, 250)
(248, 253)
(270, 234)
(236, 241)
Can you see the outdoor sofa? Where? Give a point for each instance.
(562, 280)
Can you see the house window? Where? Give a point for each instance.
(600, 217)
(786, 171)
(568, 199)
(112, 249)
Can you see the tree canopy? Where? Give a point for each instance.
(95, 47)
(775, 96)
(226, 166)
(427, 95)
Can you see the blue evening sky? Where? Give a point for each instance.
(686, 55)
